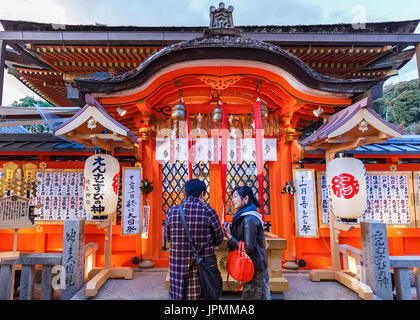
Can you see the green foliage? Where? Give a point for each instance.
(399, 104)
(146, 187)
(31, 102)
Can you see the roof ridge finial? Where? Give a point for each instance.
(221, 22)
(221, 17)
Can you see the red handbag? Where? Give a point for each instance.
(239, 265)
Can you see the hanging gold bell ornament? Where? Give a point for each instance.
(178, 111)
(217, 114)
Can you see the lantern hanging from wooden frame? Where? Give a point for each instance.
(346, 179)
(100, 184)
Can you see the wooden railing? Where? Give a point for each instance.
(349, 251)
(90, 250)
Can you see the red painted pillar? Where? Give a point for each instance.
(287, 202)
(150, 247)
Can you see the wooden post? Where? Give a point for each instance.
(108, 245)
(100, 276)
(334, 233)
(15, 240)
(274, 247)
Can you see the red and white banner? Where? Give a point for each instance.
(259, 136)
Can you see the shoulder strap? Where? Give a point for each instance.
(184, 224)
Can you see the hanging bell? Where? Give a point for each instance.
(178, 112)
(217, 114)
(264, 111)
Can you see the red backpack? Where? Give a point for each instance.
(239, 265)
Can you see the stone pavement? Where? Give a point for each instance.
(149, 284)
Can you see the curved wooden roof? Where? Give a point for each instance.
(224, 47)
(28, 62)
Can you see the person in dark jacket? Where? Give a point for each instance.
(206, 233)
(247, 226)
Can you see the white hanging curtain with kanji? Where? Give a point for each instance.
(205, 149)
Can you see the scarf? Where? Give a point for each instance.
(240, 212)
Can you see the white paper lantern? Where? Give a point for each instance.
(100, 184)
(346, 178)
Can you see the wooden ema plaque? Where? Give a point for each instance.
(14, 213)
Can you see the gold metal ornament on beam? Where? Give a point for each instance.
(144, 132)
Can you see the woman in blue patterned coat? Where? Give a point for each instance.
(206, 232)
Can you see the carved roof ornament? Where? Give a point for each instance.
(220, 83)
(221, 17)
(221, 21)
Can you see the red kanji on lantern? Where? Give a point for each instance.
(116, 183)
(345, 185)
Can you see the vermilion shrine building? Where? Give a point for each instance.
(144, 71)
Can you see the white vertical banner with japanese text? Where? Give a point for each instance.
(131, 215)
(146, 216)
(305, 203)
